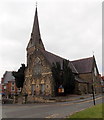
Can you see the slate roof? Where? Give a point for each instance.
(52, 58)
(8, 77)
(84, 65)
(77, 66)
(80, 80)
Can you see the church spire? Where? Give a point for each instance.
(35, 35)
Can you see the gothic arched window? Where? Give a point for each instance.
(37, 66)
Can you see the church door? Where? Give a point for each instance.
(33, 89)
(42, 89)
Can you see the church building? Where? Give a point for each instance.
(39, 79)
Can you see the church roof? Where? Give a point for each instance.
(84, 65)
(77, 66)
(80, 80)
(52, 58)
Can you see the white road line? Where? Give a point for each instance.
(52, 116)
(82, 101)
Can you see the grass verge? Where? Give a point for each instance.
(93, 112)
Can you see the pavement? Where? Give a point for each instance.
(71, 97)
(56, 99)
(48, 110)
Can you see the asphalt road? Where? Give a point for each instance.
(46, 110)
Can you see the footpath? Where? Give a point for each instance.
(68, 98)
(72, 98)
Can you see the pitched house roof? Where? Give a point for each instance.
(52, 58)
(84, 65)
(8, 77)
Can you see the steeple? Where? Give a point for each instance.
(35, 40)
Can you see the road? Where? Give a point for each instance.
(46, 110)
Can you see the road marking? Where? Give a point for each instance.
(82, 101)
(89, 100)
(55, 115)
(52, 116)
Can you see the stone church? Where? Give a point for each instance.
(38, 73)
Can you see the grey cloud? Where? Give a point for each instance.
(68, 29)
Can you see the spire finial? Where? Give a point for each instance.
(93, 53)
(36, 4)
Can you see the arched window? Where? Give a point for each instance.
(37, 67)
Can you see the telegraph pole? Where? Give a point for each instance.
(93, 91)
(93, 94)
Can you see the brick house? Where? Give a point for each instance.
(38, 73)
(8, 84)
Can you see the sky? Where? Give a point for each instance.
(69, 28)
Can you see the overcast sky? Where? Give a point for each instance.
(69, 28)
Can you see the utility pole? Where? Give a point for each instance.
(93, 94)
(93, 91)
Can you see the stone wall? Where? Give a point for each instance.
(40, 80)
(89, 78)
(97, 84)
(81, 88)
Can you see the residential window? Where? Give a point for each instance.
(4, 87)
(19, 89)
(12, 83)
(12, 89)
